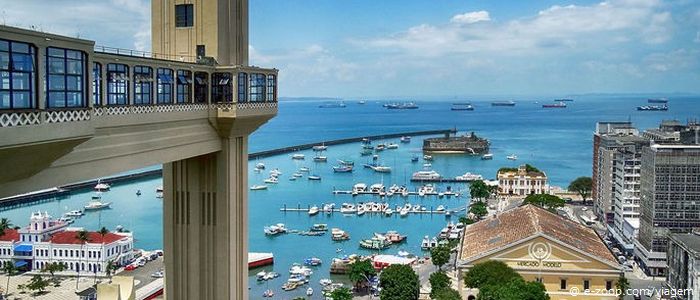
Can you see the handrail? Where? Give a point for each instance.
(145, 54)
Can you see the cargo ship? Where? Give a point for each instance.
(555, 105)
(657, 100)
(652, 107)
(564, 100)
(503, 103)
(462, 106)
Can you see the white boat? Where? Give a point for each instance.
(392, 146)
(258, 187)
(304, 169)
(487, 156)
(313, 210)
(96, 205)
(275, 173)
(427, 189)
(309, 291)
(320, 148)
(102, 187)
(348, 208)
(426, 175)
(388, 211)
(67, 220)
(328, 207)
(405, 139)
(74, 213)
(376, 188)
(275, 229)
(314, 177)
(359, 188)
(382, 169)
(469, 177)
(440, 208)
(360, 210)
(403, 212)
(325, 282)
(298, 156)
(427, 157)
(416, 208)
(512, 157)
(320, 158)
(260, 166)
(403, 253)
(298, 269)
(260, 276)
(272, 180)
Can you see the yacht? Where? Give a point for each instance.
(260, 166)
(348, 208)
(298, 156)
(319, 148)
(74, 213)
(392, 146)
(320, 158)
(313, 210)
(440, 208)
(512, 157)
(376, 188)
(339, 235)
(312, 261)
(309, 292)
(462, 106)
(382, 169)
(258, 187)
(427, 157)
(469, 177)
(275, 229)
(102, 187)
(425, 175)
(272, 180)
(342, 169)
(97, 205)
(427, 189)
(329, 207)
(359, 188)
(67, 220)
(314, 177)
(487, 156)
(304, 169)
(405, 139)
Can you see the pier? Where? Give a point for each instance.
(430, 211)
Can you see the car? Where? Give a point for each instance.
(141, 262)
(131, 267)
(159, 252)
(158, 274)
(584, 208)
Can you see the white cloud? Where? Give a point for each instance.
(471, 17)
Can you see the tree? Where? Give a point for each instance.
(478, 209)
(37, 284)
(447, 294)
(4, 225)
(622, 285)
(399, 282)
(466, 221)
(582, 186)
(342, 293)
(497, 281)
(491, 272)
(360, 271)
(10, 270)
(82, 236)
(546, 201)
(103, 231)
(478, 190)
(438, 281)
(54, 267)
(110, 269)
(440, 255)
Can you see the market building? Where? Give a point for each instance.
(523, 181)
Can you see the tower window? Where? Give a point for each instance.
(184, 16)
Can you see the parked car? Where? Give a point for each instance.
(159, 252)
(158, 274)
(131, 267)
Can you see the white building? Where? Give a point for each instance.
(45, 241)
(683, 257)
(523, 181)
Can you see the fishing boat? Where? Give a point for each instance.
(425, 175)
(313, 210)
(512, 157)
(276, 229)
(392, 146)
(469, 177)
(462, 106)
(258, 187)
(555, 105)
(272, 180)
(304, 169)
(312, 261)
(382, 169)
(314, 177)
(503, 103)
(342, 169)
(102, 187)
(405, 139)
(319, 148)
(348, 208)
(320, 158)
(319, 227)
(487, 156)
(375, 243)
(97, 205)
(346, 162)
(338, 234)
(298, 156)
(74, 213)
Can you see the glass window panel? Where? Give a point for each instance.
(74, 99)
(4, 61)
(73, 83)
(56, 52)
(5, 80)
(20, 47)
(4, 45)
(4, 99)
(22, 62)
(21, 100)
(57, 99)
(74, 54)
(56, 82)
(74, 67)
(20, 81)
(56, 65)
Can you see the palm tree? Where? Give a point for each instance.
(103, 231)
(4, 224)
(10, 270)
(111, 266)
(82, 236)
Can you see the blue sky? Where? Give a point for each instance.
(369, 48)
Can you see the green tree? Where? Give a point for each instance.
(478, 190)
(103, 231)
(582, 186)
(546, 201)
(491, 272)
(342, 293)
(110, 269)
(497, 281)
(82, 236)
(440, 255)
(466, 221)
(10, 270)
(360, 271)
(622, 285)
(4, 225)
(438, 281)
(52, 268)
(446, 294)
(37, 284)
(399, 282)
(478, 209)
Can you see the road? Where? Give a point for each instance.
(142, 275)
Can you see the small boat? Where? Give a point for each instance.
(260, 166)
(138, 192)
(97, 205)
(272, 180)
(440, 208)
(292, 178)
(67, 220)
(319, 148)
(555, 105)
(403, 253)
(503, 103)
(289, 286)
(312, 261)
(268, 293)
(361, 102)
(319, 227)
(275, 173)
(304, 169)
(359, 188)
(663, 107)
(258, 187)
(512, 157)
(380, 147)
(309, 291)
(314, 177)
(382, 169)
(298, 269)
(469, 177)
(74, 213)
(462, 106)
(487, 156)
(360, 210)
(159, 189)
(414, 158)
(366, 152)
(102, 187)
(260, 276)
(427, 157)
(342, 169)
(348, 208)
(329, 207)
(392, 146)
(388, 211)
(325, 282)
(339, 235)
(313, 210)
(346, 162)
(275, 229)
(320, 158)
(405, 139)
(298, 156)
(297, 175)
(403, 212)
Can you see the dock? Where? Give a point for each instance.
(337, 210)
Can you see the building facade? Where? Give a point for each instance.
(522, 181)
(670, 200)
(541, 246)
(683, 259)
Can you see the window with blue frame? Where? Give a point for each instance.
(143, 85)
(117, 84)
(201, 87)
(17, 75)
(271, 88)
(165, 85)
(184, 85)
(65, 78)
(96, 84)
(221, 87)
(257, 87)
(242, 87)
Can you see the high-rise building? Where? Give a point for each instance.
(684, 264)
(670, 200)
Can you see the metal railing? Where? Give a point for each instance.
(144, 54)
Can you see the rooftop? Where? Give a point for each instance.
(70, 237)
(10, 235)
(520, 223)
(689, 240)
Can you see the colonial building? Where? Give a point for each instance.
(683, 257)
(523, 181)
(45, 241)
(541, 246)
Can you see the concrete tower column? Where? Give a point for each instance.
(206, 224)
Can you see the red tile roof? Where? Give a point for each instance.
(70, 237)
(10, 235)
(520, 223)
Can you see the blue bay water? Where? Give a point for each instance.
(558, 141)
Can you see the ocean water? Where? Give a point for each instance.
(557, 141)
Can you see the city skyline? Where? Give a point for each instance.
(382, 49)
